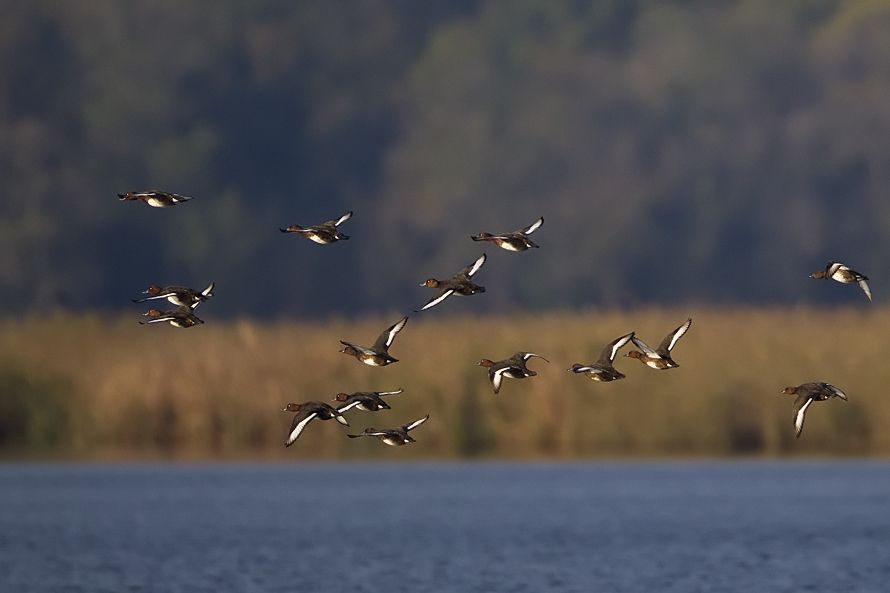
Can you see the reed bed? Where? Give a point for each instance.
(86, 387)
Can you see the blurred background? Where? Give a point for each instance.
(691, 158)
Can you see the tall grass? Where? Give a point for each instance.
(90, 387)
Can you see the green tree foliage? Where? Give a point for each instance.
(684, 150)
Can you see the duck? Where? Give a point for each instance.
(841, 273)
(180, 296)
(513, 367)
(602, 369)
(324, 233)
(806, 394)
(660, 358)
(369, 401)
(179, 317)
(305, 413)
(460, 284)
(378, 354)
(394, 437)
(514, 241)
(154, 198)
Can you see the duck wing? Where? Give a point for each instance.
(437, 299)
(301, 419)
(337, 221)
(612, 348)
(863, 284)
(648, 351)
(384, 341)
(532, 227)
(670, 340)
(801, 403)
(834, 391)
(471, 270)
(415, 424)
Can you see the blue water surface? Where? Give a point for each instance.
(741, 527)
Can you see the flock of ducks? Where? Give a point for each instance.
(187, 301)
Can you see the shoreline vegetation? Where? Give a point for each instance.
(95, 386)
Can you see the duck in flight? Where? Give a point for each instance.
(660, 358)
(369, 401)
(602, 369)
(324, 233)
(807, 393)
(154, 198)
(513, 368)
(378, 354)
(514, 241)
(395, 437)
(841, 273)
(307, 412)
(460, 284)
(178, 295)
(179, 317)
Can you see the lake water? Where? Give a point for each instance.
(746, 527)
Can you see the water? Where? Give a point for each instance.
(636, 527)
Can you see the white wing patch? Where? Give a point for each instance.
(620, 344)
(390, 392)
(417, 423)
(391, 332)
(348, 406)
(678, 333)
(497, 378)
(533, 226)
(436, 300)
(476, 265)
(798, 419)
(343, 218)
(864, 286)
(295, 433)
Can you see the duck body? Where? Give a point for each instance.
(182, 317)
(154, 198)
(378, 354)
(807, 393)
(394, 437)
(368, 401)
(513, 368)
(180, 296)
(659, 358)
(307, 412)
(324, 233)
(840, 273)
(517, 240)
(602, 370)
(460, 284)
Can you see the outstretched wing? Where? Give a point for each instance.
(832, 267)
(400, 390)
(339, 221)
(863, 284)
(526, 355)
(297, 426)
(389, 334)
(437, 299)
(670, 340)
(612, 348)
(645, 348)
(801, 403)
(532, 227)
(835, 390)
(416, 423)
(470, 270)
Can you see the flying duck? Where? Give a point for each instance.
(806, 394)
(660, 358)
(178, 295)
(378, 354)
(460, 284)
(395, 437)
(513, 367)
(324, 233)
(841, 273)
(305, 413)
(602, 369)
(516, 241)
(369, 401)
(154, 198)
(178, 317)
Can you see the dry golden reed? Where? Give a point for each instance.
(85, 387)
